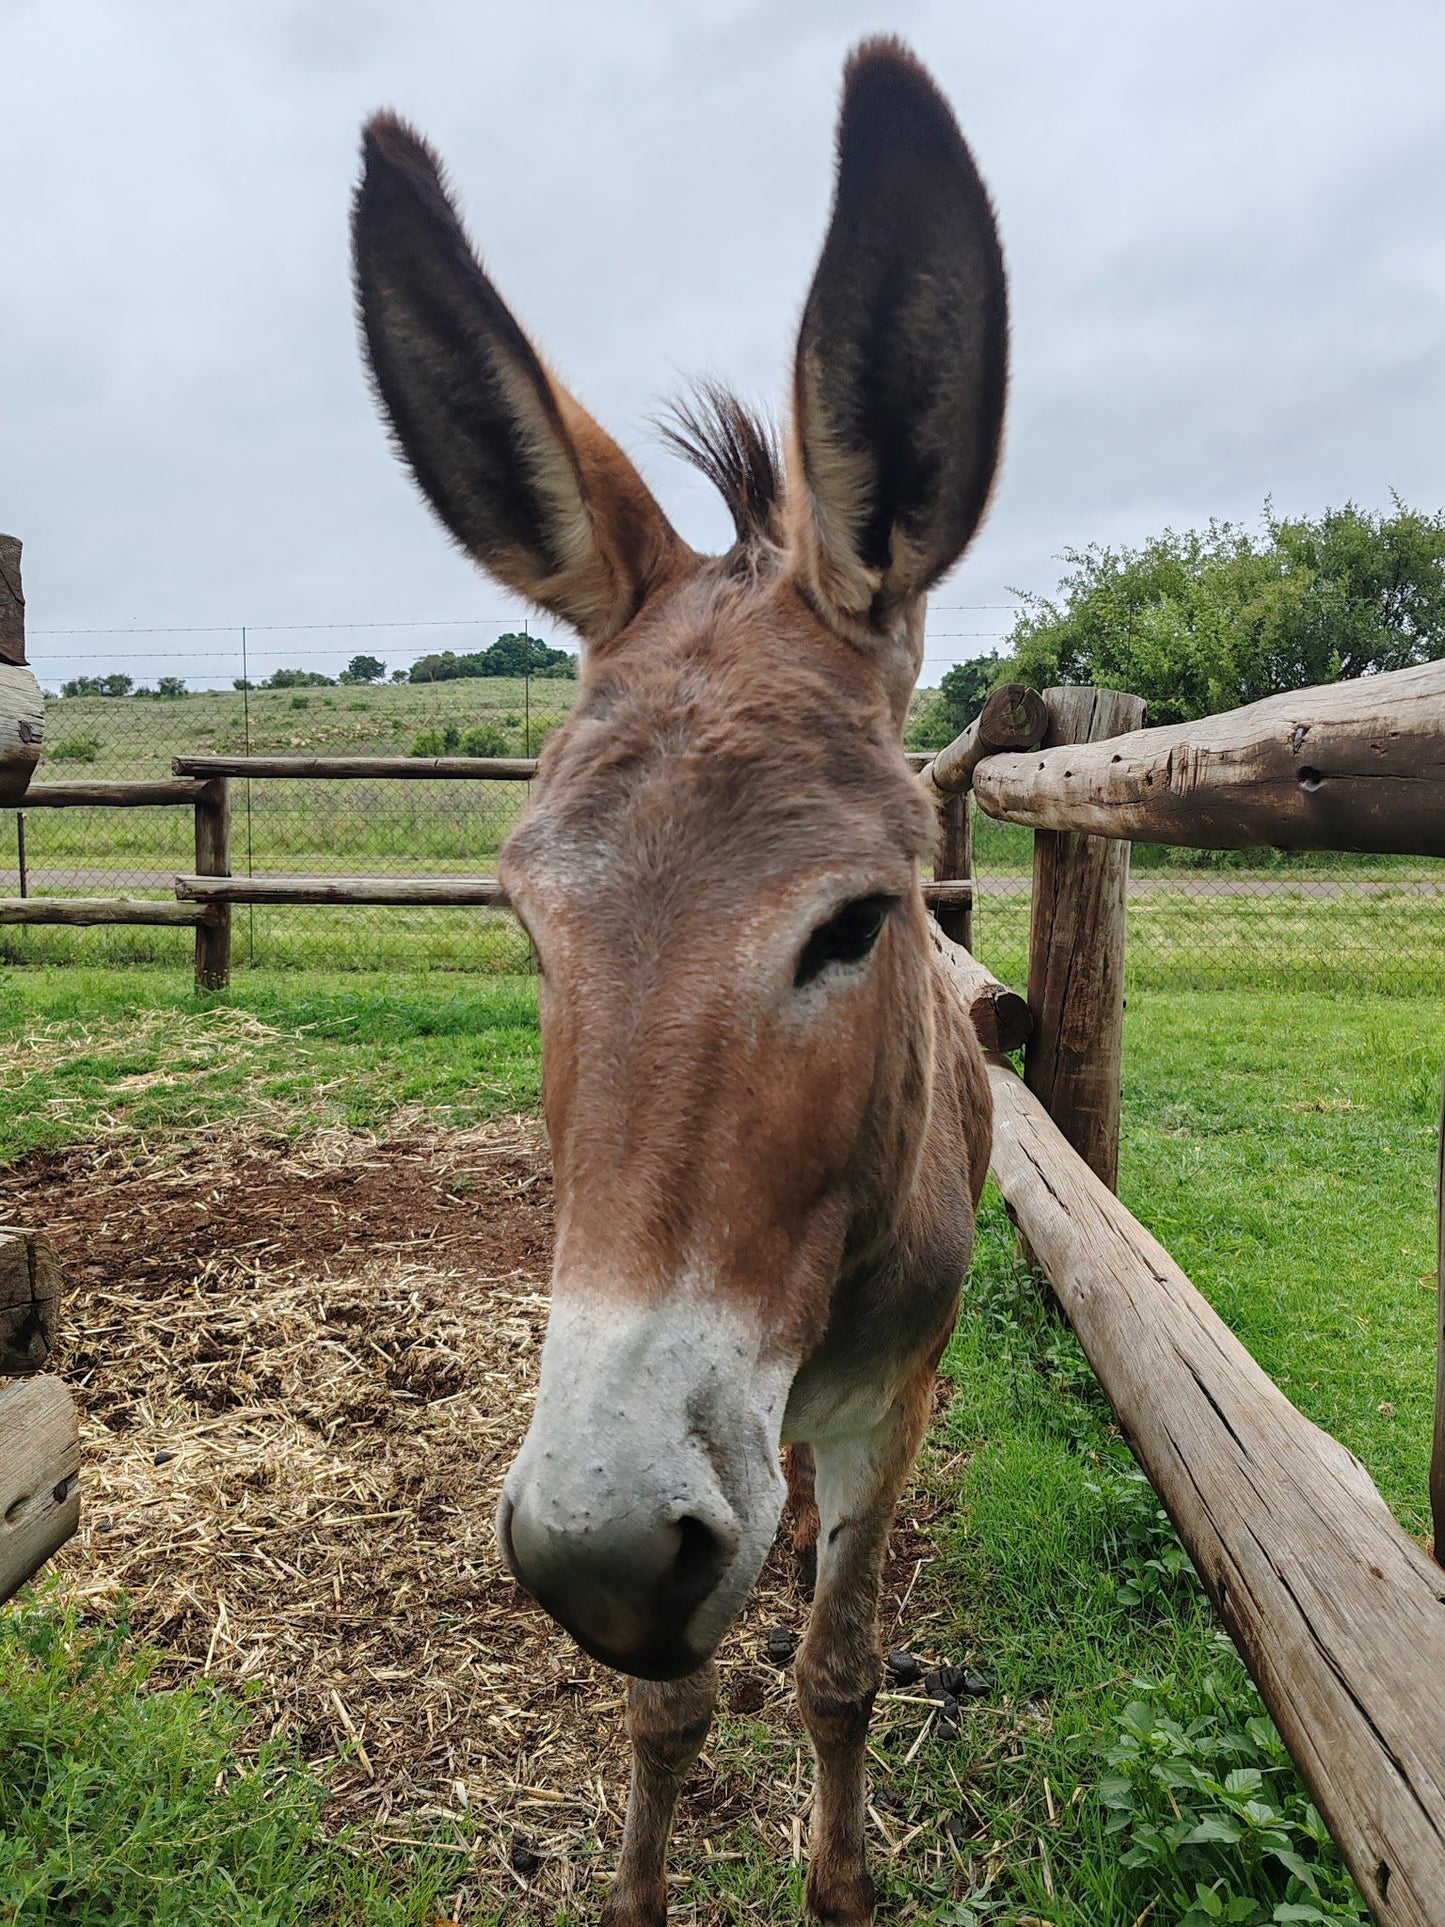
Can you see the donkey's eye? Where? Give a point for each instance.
(845, 938)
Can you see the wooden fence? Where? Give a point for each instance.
(39, 1433)
(206, 896)
(1337, 1612)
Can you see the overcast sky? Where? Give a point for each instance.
(1224, 225)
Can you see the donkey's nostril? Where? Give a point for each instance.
(703, 1556)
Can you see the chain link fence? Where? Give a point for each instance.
(1198, 919)
(1239, 920)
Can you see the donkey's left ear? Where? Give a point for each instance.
(902, 357)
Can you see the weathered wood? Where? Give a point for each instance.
(1000, 1016)
(1346, 766)
(491, 769)
(1013, 718)
(1437, 1453)
(1076, 952)
(116, 795)
(953, 858)
(12, 602)
(79, 912)
(29, 1301)
(213, 859)
(456, 891)
(39, 1477)
(947, 893)
(1338, 1614)
(22, 725)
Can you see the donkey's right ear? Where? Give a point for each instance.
(521, 475)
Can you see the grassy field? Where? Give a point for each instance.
(354, 827)
(1281, 1144)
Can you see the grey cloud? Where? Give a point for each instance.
(1222, 224)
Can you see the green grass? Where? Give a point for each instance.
(126, 1807)
(1281, 1144)
(84, 1048)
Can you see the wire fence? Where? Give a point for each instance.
(1198, 920)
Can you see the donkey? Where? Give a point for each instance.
(769, 1116)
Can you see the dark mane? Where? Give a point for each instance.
(736, 449)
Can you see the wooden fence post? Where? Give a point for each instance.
(22, 707)
(1076, 951)
(213, 859)
(29, 1299)
(39, 1430)
(1437, 1454)
(953, 859)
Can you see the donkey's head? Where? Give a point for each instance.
(719, 869)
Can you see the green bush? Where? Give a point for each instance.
(964, 690)
(1207, 1810)
(74, 749)
(486, 739)
(509, 655)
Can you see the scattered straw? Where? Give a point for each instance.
(305, 1365)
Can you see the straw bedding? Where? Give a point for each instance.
(304, 1365)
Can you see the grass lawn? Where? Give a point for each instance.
(1281, 1144)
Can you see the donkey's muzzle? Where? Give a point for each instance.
(627, 1588)
(647, 1491)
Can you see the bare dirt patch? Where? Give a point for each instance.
(304, 1366)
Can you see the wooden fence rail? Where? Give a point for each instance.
(1347, 766)
(1338, 1614)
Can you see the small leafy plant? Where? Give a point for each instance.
(1203, 1798)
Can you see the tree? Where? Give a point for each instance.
(961, 695)
(1208, 620)
(169, 687)
(363, 669)
(117, 685)
(509, 655)
(298, 679)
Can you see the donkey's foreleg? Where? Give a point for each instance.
(840, 1663)
(800, 1513)
(668, 1722)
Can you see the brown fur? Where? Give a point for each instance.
(732, 770)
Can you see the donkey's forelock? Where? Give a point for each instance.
(739, 451)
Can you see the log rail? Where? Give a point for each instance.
(1345, 766)
(1338, 1614)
